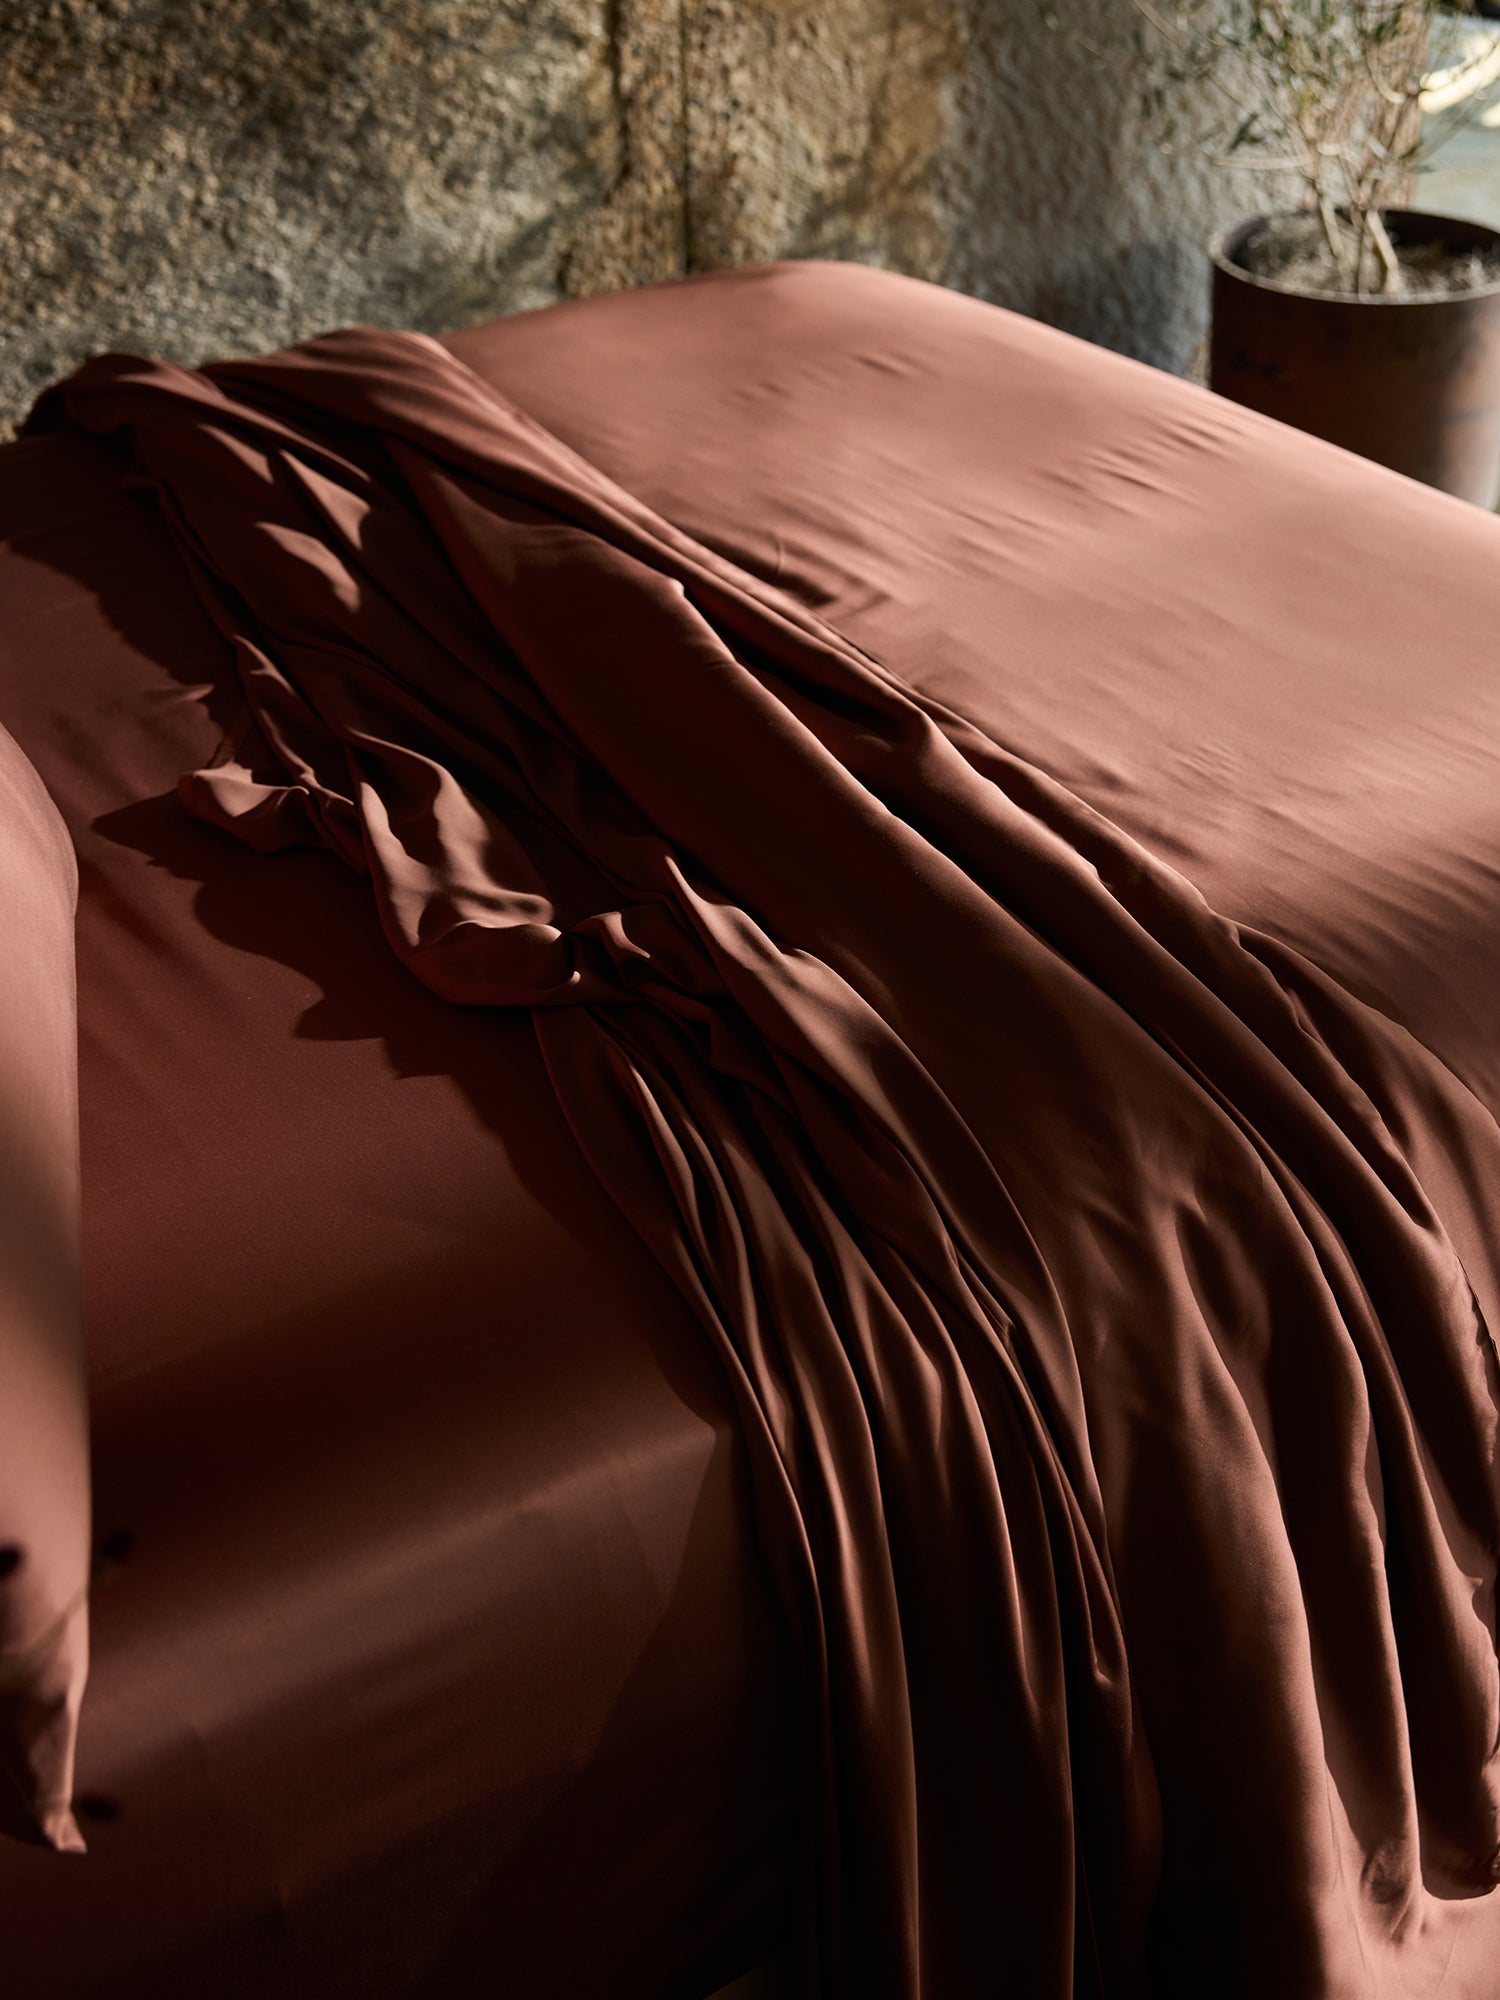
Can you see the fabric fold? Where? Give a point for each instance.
(1120, 1398)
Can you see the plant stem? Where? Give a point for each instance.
(1331, 233)
(1395, 279)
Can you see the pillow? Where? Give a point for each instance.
(44, 1472)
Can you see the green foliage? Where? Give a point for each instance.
(1328, 90)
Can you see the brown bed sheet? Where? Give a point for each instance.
(1211, 628)
(439, 1626)
(1225, 635)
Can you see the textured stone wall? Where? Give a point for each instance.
(193, 177)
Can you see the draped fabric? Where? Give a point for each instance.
(1106, 1295)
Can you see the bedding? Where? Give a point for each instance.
(44, 1511)
(438, 1598)
(1129, 591)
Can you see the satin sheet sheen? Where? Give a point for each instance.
(440, 1612)
(1104, 1286)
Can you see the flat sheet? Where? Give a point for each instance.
(1267, 661)
(1171, 580)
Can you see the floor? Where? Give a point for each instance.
(1463, 113)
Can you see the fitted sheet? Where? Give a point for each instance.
(1213, 629)
(439, 1617)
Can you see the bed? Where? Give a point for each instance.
(435, 1649)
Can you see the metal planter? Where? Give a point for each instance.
(1411, 383)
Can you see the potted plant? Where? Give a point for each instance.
(1362, 320)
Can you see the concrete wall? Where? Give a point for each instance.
(193, 177)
